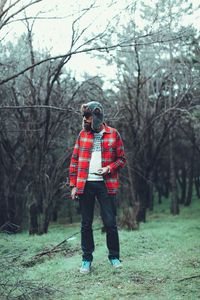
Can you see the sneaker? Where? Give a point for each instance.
(116, 263)
(85, 267)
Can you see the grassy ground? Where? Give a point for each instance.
(160, 261)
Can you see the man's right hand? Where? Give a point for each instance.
(73, 193)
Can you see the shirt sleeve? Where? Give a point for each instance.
(120, 155)
(74, 164)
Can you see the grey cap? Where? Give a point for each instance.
(96, 109)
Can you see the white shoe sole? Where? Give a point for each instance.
(84, 271)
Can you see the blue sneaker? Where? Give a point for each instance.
(116, 263)
(85, 267)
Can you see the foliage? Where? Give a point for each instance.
(153, 101)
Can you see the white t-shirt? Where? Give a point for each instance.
(96, 160)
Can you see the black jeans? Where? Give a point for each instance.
(97, 189)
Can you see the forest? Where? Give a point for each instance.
(153, 101)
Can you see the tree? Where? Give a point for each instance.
(152, 100)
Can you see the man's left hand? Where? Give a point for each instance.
(103, 171)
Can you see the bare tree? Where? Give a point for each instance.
(152, 101)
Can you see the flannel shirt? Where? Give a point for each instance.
(112, 151)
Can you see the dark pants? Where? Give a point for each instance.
(97, 189)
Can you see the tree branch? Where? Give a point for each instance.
(12, 107)
(18, 11)
(86, 50)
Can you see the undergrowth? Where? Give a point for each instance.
(161, 260)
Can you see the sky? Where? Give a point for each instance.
(53, 32)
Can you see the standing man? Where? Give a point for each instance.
(97, 157)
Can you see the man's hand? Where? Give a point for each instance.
(73, 193)
(103, 171)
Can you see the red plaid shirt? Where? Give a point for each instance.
(112, 150)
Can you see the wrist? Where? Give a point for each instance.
(108, 167)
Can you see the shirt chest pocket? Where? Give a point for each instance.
(109, 147)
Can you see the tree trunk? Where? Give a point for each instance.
(3, 206)
(13, 212)
(149, 195)
(190, 179)
(166, 185)
(130, 214)
(33, 213)
(174, 198)
(197, 185)
(183, 185)
(55, 214)
(142, 195)
(159, 196)
(46, 220)
(129, 218)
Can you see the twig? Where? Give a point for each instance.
(186, 278)
(9, 227)
(55, 249)
(61, 243)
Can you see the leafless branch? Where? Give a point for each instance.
(11, 107)
(38, 18)
(86, 50)
(3, 12)
(16, 12)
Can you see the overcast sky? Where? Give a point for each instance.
(55, 34)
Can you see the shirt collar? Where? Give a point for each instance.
(106, 128)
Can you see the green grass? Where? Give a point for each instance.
(158, 261)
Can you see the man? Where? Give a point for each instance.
(97, 156)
